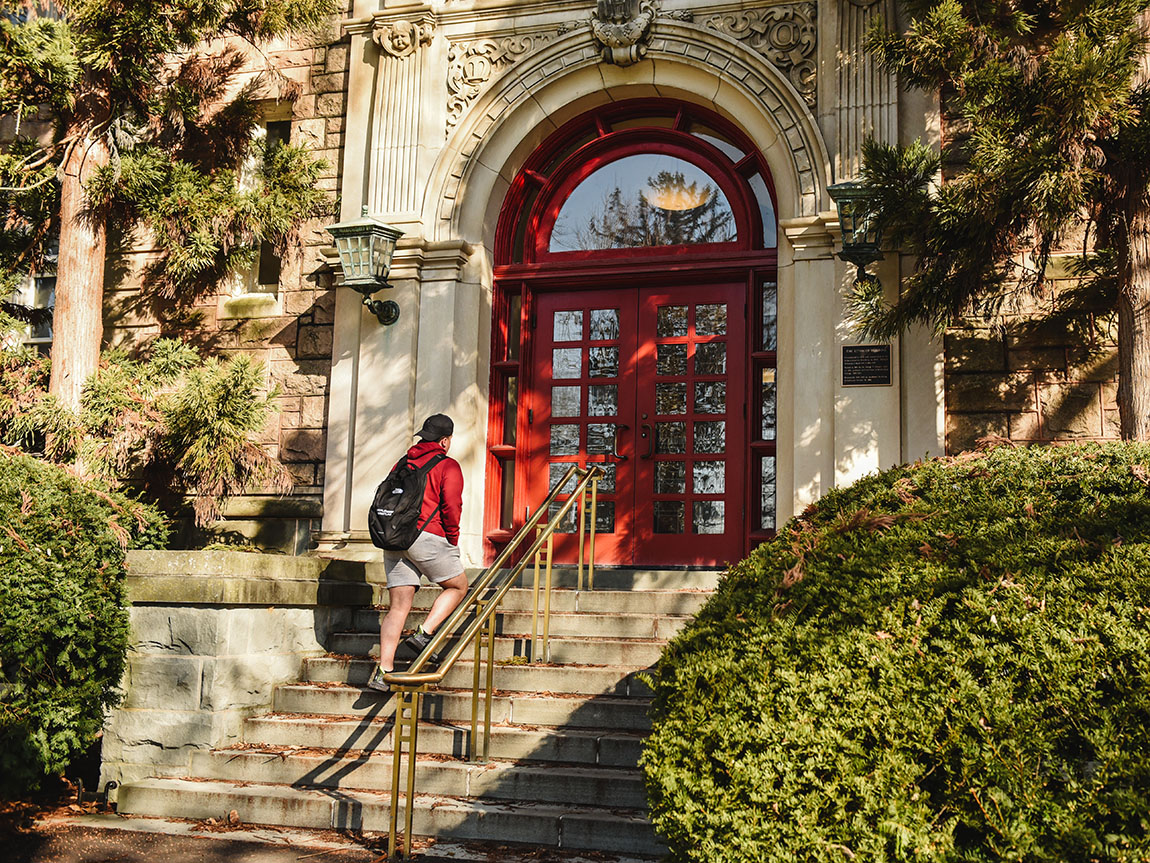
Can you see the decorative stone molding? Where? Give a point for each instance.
(621, 28)
(401, 39)
(785, 35)
(470, 65)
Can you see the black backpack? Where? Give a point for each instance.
(393, 519)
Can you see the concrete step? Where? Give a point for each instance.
(493, 780)
(372, 733)
(565, 650)
(524, 678)
(584, 828)
(568, 625)
(666, 602)
(628, 714)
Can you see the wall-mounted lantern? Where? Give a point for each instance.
(366, 246)
(862, 239)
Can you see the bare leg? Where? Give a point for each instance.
(454, 589)
(400, 599)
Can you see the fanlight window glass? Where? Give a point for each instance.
(643, 200)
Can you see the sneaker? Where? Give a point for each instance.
(416, 642)
(377, 682)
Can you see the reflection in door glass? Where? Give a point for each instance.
(669, 516)
(671, 322)
(564, 439)
(768, 400)
(670, 399)
(600, 438)
(514, 339)
(711, 437)
(565, 401)
(671, 360)
(710, 397)
(566, 363)
(567, 525)
(604, 517)
(711, 358)
(604, 324)
(711, 319)
(555, 473)
(708, 516)
(603, 362)
(568, 326)
(607, 481)
(670, 477)
(708, 477)
(767, 501)
(671, 437)
(647, 199)
(510, 411)
(603, 401)
(770, 333)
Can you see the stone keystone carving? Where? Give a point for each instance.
(785, 35)
(621, 27)
(470, 65)
(401, 39)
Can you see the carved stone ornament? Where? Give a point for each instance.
(785, 35)
(621, 27)
(470, 65)
(401, 39)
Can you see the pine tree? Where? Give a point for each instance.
(130, 113)
(1047, 112)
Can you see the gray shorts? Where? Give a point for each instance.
(429, 555)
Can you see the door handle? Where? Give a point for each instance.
(648, 433)
(615, 446)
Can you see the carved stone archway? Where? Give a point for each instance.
(543, 88)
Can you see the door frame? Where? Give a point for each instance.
(524, 269)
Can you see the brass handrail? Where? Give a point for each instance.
(412, 683)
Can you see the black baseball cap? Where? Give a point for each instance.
(436, 427)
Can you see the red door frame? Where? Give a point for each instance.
(524, 268)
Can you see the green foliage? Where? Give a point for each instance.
(169, 424)
(944, 662)
(63, 621)
(158, 83)
(1046, 126)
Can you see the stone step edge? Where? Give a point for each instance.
(521, 694)
(340, 797)
(421, 760)
(337, 719)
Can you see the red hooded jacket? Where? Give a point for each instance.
(444, 483)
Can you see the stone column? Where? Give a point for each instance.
(808, 299)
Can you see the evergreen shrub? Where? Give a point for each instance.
(948, 661)
(63, 615)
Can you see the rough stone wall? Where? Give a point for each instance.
(1036, 379)
(290, 332)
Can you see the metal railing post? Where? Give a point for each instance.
(547, 599)
(405, 730)
(594, 529)
(474, 748)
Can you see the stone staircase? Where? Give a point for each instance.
(565, 737)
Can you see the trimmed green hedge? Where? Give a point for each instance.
(948, 661)
(63, 615)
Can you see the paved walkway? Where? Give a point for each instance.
(60, 837)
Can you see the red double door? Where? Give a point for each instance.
(649, 385)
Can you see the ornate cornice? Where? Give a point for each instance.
(787, 36)
(401, 39)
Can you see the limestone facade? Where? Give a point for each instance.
(427, 112)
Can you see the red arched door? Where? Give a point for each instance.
(635, 308)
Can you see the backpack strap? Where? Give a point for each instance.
(425, 470)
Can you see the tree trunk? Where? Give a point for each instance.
(78, 321)
(1134, 320)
